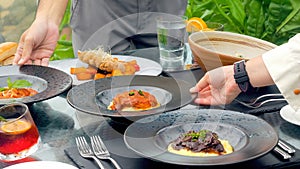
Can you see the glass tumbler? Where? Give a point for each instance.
(171, 35)
(19, 136)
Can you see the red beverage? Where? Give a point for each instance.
(17, 136)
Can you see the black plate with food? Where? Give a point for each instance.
(94, 97)
(249, 136)
(47, 82)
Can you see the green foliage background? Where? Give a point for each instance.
(64, 48)
(272, 20)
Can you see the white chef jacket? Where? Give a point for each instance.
(283, 64)
(119, 24)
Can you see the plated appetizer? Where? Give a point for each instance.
(133, 100)
(16, 89)
(203, 143)
(102, 64)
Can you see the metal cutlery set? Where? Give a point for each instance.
(99, 150)
(282, 149)
(261, 100)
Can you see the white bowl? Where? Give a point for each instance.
(212, 49)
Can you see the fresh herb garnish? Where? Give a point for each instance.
(2, 119)
(141, 92)
(131, 93)
(16, 84)
(196, 135)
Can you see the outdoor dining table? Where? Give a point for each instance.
(59, 124)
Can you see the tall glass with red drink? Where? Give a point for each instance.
(19, 136)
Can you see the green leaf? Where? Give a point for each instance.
(2, 119)
(9, 83)
(272, 20)
(16, 84)
(141, 92)
(21, 84)
(237, 11)
(254, 25)
(64, 42)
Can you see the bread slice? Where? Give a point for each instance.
(8, 61)
(7, 49)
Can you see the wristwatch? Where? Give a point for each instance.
(241, 76)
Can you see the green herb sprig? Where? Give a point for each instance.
(16, 84)
(131, 93)
(196, 135)
(2, 119)
(141, 92)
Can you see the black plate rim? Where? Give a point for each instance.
(96, 111)
(52, 90)
(167, 157)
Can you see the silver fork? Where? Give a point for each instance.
(257, 105)
(265, 96)
(101, 151)
(85, 150)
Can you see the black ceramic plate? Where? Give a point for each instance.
(49, 82)
(94, 97)
(250, 136)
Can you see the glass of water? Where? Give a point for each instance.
(171, 35)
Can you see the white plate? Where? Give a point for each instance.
(290, 115)
(41, 165)
(147, 67)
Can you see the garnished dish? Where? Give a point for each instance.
(101, 65)
(203, 143)
(16, 89)
(133, 100)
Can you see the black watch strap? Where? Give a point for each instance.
(241, 76)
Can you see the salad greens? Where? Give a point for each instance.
(16, 84)
(272, 20)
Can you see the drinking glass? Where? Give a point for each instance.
(171, 35)
(19, 136)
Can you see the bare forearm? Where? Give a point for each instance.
(51, 10)
(258, 73)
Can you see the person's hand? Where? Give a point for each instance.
(216, 87)
(37, 44)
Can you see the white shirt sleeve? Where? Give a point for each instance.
(283, 64)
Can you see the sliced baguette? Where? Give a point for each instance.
(7, 49)
(8, 61)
